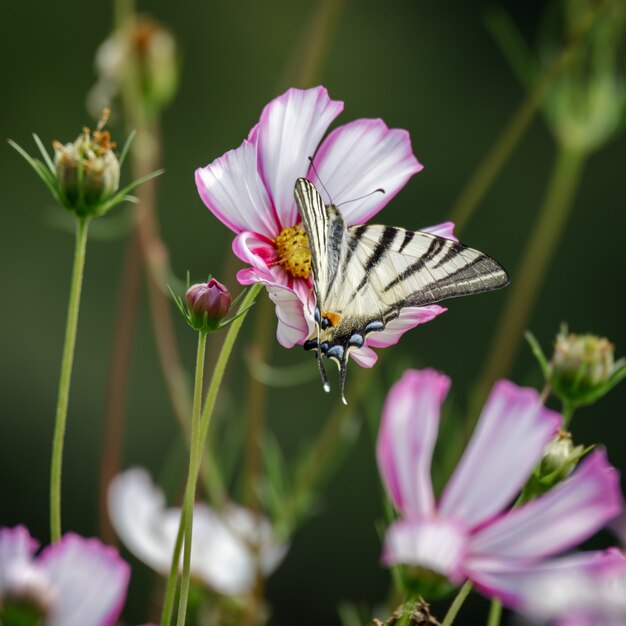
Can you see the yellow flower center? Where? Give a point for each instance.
(292, 247)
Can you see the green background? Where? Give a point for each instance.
(431, 68)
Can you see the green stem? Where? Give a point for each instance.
(495, 613)
(222, 360)
(539, 252)
(457, 603)
(65, 379)
(172, 578)
(499, 153)
(203, 428)
(567, 412)
(192, 478)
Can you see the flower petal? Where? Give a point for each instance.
(438, 545)
(576, 584)
(558, 520)
(508, 441)
(256, 250)
(359, 158)
(406, 439)
(364, 356)
(16, 548)
(136, 510)
(409, 318)
(233, 191)
(90, 581)
(445, 229)
(289, 131)
(294, 326)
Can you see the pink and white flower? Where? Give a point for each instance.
(582, 589)
(75, 582)
(470, 531)
(227, 549)
(251, 190)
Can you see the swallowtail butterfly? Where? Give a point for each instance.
(364, 275)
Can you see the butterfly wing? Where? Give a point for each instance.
(365, 275)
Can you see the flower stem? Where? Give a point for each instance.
(457, 603)
(65, 379)
(539, 251)
(495, 613)
(172, 578)
(200, 439)
(567, 412)
(192, 477)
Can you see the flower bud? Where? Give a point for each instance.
(207, 304)
(87, 170)
(585, 107)
(560, 456)
(151, 49)
(581, 364)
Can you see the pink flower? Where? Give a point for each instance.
(75, 582)
(469, 532)
(583, 589)
(251, 190)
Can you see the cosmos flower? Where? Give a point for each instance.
(581, 589)
(75, 582)
(469, 532)
(251, 190)
(224, 548)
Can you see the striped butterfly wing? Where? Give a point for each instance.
(365, 275)
(401, 268)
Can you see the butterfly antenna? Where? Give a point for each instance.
(330, 200)
(367, 195)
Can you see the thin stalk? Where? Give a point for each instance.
(117, 378)
(203, 428)
(539, 251)
(65, 378)
(492, 163)
(192, 478)
(567, 412)
(256, 404)
(457, 603)
(144, 249)
(172, 578)
(495, 613)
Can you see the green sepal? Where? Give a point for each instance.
(538, 353)
(539, 483)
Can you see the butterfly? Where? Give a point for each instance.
(364, 275)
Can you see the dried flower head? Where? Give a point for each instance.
(88, 170)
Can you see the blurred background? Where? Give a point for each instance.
(434, 69)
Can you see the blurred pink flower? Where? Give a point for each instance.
(581, 589)
(75, 582)
(470, 533)
(251, 190)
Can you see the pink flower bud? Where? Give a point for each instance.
(212, 299)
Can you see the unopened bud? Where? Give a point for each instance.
(560, 456)
(152, 50)
(580, 365)
(88, 171)
(208, 304)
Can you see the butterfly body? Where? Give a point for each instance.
(364, 276)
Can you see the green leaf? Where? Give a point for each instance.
(44, 153)
(538, 353)
(126, 148)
